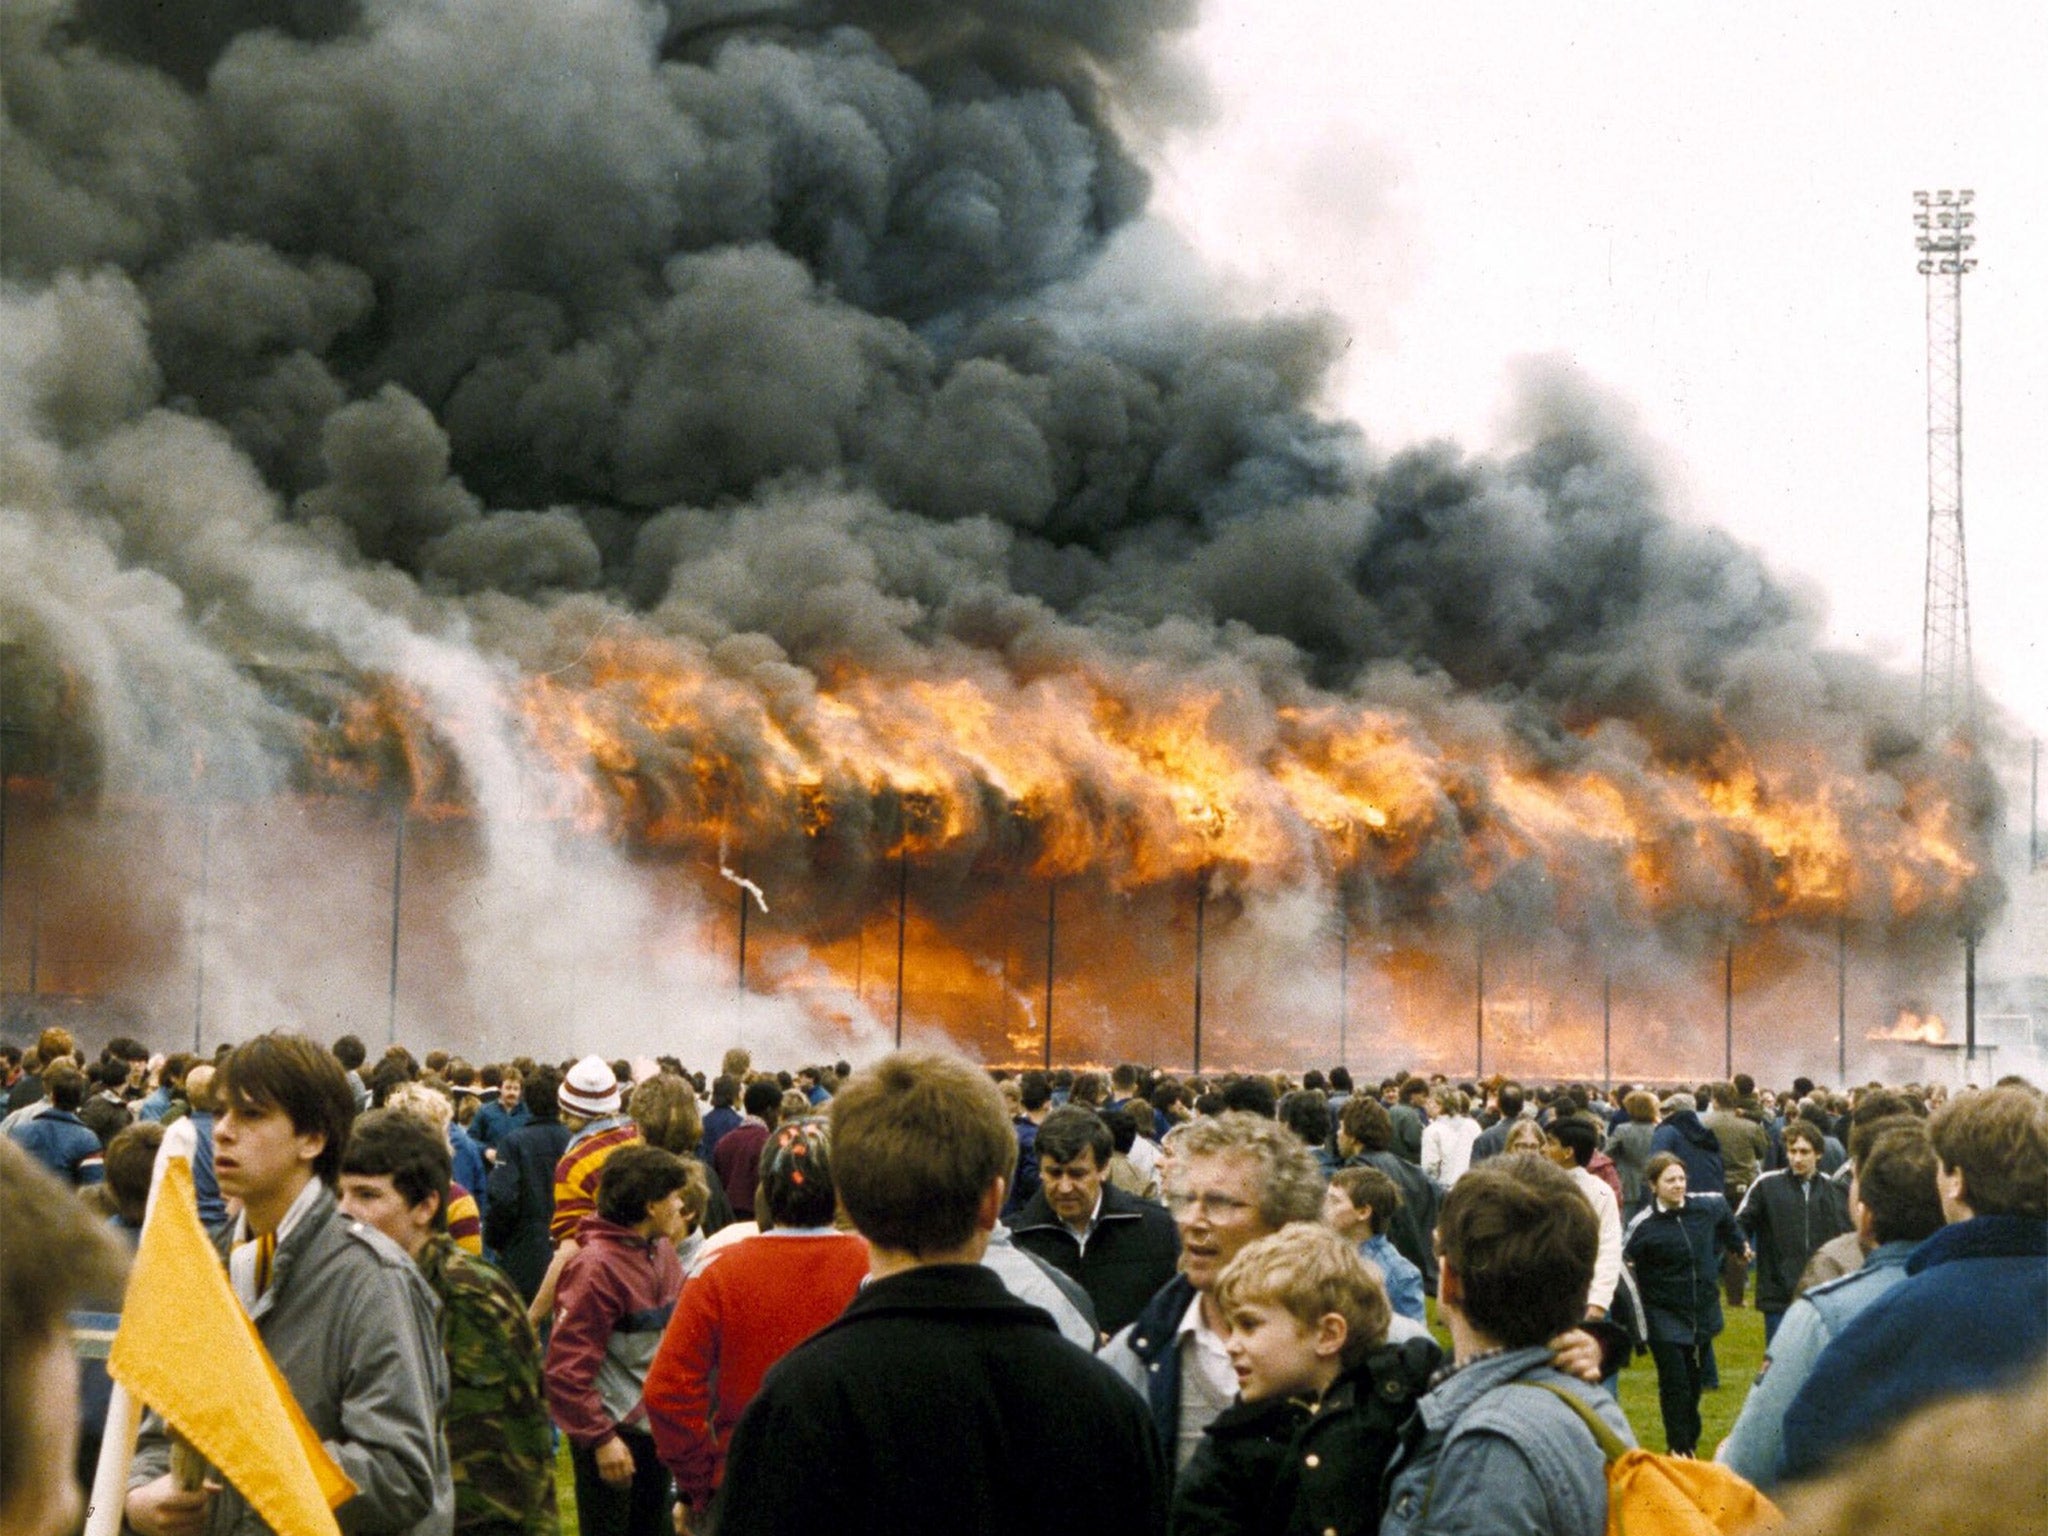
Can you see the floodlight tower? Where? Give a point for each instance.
(1947, 692)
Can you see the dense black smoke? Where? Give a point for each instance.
(433, 338)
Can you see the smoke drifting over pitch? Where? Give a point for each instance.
(496, 357)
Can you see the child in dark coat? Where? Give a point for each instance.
(1322, 1396)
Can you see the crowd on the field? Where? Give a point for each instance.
(927, 1295)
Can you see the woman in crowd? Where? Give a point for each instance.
(1675, 1246)
(750, 1305)
(1629, 1145)
(1447, 1139)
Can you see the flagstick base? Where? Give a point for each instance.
(109, 1499)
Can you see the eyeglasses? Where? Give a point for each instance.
(1215, 1207)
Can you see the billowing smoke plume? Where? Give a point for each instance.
(374, 377)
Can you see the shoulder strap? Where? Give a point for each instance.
(1608, 1441)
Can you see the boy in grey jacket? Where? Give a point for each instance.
(341, 1308)
(1494, 1453)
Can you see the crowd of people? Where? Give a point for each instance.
(929, 1295)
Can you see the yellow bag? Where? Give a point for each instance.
(1652, 1495)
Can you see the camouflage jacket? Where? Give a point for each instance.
(499, 1442)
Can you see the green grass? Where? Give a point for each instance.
(1740, 1350)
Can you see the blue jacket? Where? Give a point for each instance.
(1810, 1324)
(1686, 1137)
(1404, 1280)
(59, 1141)
(1026, 1182)
(1493, 1455)
(471, 1171)
(1970, 1316)
(213, 1208)
(494, 1122)
(717, 1122)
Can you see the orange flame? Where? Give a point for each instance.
(1923, 1028)
(1145, 776)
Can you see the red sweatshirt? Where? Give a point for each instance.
(750, 1306)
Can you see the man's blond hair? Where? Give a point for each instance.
(1310, 1271)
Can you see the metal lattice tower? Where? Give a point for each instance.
(1947, 690)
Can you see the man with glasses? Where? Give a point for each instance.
(1232, 1179)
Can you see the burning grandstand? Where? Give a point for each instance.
(604, 526)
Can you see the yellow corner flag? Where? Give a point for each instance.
(187, 1349)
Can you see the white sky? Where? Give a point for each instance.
(1708, 209)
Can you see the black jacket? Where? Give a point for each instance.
(1785, 1226)
(1676, 1256)
(522, 1201)
(1278, 1468)
(939, 1402)
(1134, 1250)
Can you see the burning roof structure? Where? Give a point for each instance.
(643, 449)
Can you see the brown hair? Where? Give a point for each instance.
(1895, 1181)
(665, 1109)
(1365, 1121)
(917, 1139)
(1998, 1141)
(1641, 1106)
(64, 1085)
(1310, 1271)
(130, 1160)
(638, 1176)
(1808, 1132)
(1369, 1187)
(55, 1254)
(1522, 1240)
(291, 1073)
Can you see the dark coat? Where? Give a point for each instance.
(1408, 1124)
(522, 1202)
(1413, 1229)
(1026, 1182)
(1686, 1137)
(1785, 1226)
(1134, 1250)
(1676, 1256)
(939, 1402)
(1970, 1316)
(1280, 1468)
(1153, 1334)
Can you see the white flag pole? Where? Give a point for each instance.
(124, 1414)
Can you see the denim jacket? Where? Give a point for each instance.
(1488, 1456)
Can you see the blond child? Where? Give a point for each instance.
(1322, 1395)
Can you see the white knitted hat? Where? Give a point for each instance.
(590, 1090)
